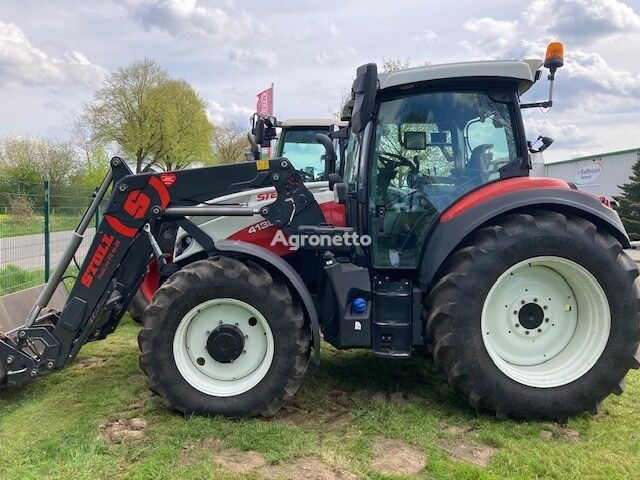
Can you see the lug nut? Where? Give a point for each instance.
(50, 365)
(517, 325)
(33, 373)
(522, 302)
(546, 320)
(526, 332)
(283, 164)
(539, 330)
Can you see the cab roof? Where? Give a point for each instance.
(311, 122)
(523, 71)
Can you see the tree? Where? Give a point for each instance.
(26, 162)
(122, 111)
(184, 127)
(629, 202)
(229, 143)
(395, 64)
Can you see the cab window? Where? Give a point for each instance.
(431, 149)
(306, 155)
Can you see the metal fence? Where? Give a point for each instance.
(36, 222)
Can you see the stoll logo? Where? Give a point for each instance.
(346, 239)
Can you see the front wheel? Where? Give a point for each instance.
(224, 337)
(537, 317)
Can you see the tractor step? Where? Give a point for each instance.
(392, 317)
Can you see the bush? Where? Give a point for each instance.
(20, 208)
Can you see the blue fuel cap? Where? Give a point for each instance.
(359, 305)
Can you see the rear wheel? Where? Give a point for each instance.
(224, 337)
(537, 317)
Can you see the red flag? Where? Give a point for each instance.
(265, 102)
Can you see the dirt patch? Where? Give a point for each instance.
(394, 457)
(306, 468)
(480, 455)
(237, 461)
(328, 415)
(460, 430)
(124, 430)
(400, 399)
(90, 362)
(555, 431)
(195, 453)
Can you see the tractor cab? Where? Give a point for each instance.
(297, 142)
(423, 138)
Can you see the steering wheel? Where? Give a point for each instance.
(388, 158)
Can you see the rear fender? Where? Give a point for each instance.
(273, 261)
(478, 209)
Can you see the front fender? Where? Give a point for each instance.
(457, 222)
(264, 256)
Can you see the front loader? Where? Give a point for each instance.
(430, 236)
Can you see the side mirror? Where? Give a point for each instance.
(364, 96)
(258, 131)
(330, 156)
(546, 143)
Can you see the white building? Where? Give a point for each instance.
(597, 174)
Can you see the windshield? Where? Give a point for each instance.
(431, 149)
(300, 147)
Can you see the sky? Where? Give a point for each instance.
(55, 54)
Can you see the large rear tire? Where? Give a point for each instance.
(537, 317)
(224, 337)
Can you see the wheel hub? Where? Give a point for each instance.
(226, 343)
(531, 316)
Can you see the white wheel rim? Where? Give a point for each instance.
(212, 377)
(574, 328)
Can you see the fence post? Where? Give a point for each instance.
(47, 230)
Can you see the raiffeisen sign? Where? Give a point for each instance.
(585, 175)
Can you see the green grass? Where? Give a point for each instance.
(50, 428)
(13, 278)
(13, 227)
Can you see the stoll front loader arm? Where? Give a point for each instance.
(115, 263)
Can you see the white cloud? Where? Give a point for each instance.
(582, 19)
(24, 64)
(339, 55)
(494, 37)
(591, 68)
(427, 37)
(231, 112)
(246, 58)
(185, 18)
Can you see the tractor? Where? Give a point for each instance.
(295, 140)
(430, 237)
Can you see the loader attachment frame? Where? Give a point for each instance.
(116, 260)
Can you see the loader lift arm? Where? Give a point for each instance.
(115, 262)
